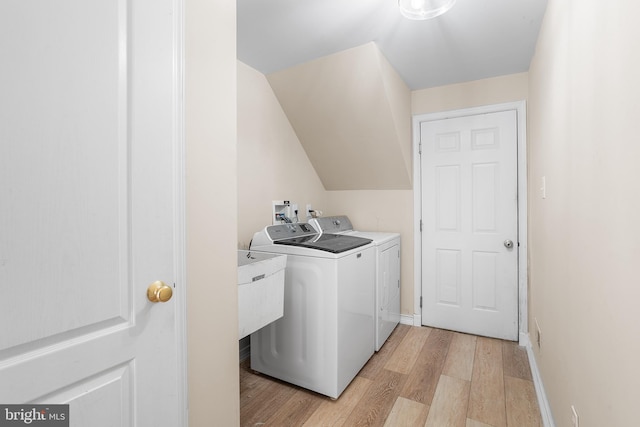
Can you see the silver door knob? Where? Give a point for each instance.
(508, 244)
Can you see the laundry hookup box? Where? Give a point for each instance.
(260, 290)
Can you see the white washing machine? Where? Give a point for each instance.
(387, 287)
(327, 332)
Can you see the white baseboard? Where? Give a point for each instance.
(410, 319)
(545, 409)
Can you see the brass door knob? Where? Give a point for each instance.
(159, 292)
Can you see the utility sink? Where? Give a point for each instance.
(260, 290)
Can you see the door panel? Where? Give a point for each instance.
(65, 146)
(485, 181)
(448, 198)
(448, 275)
(469, 208)
(88, 190)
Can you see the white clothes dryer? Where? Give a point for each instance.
(387, 287)
(326, 334)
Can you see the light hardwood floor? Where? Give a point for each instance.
(420, 377)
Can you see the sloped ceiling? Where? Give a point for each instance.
(352, 114)
(475, 40)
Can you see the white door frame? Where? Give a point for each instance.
(180, 226)
(520, 108)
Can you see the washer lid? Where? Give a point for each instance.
(334, 243)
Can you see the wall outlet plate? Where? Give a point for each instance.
(538, 333)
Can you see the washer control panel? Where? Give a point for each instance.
(288, 231)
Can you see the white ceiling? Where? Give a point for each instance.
(474, 40)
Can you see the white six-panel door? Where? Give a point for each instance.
(469, 211)
(89, 191)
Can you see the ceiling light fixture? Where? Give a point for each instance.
(424, 9)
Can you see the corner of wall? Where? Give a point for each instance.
(211, 194)
(399, 99)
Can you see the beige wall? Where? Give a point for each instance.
(399, 98)
(211, 213)
(584, 237)
(497, 90)
(272, 165)
(350, 111)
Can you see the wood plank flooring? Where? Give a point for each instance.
(420, 377)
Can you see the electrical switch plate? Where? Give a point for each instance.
(574, 417)
(543, 188)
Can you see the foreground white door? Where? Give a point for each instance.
(89, 218)
(469, 238)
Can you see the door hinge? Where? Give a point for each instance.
(420, 147)
(421, 226)
(420, 302)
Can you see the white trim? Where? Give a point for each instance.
(409, 319)
(417, 215)
(521, 111)
(179, 180)
(523, 240)
(543, 402)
